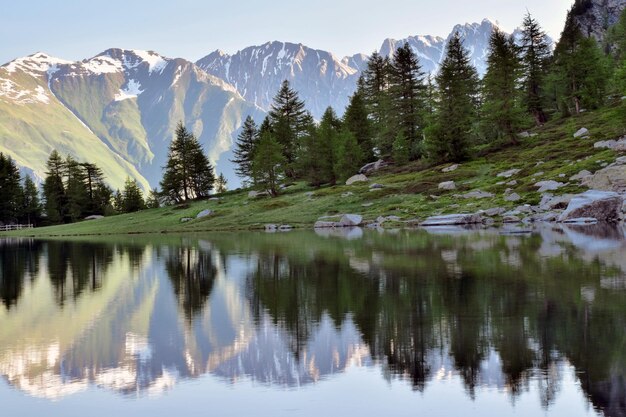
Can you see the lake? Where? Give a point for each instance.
(438, 322)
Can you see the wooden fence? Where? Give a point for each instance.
(9, 227)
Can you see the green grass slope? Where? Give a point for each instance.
(410, 192)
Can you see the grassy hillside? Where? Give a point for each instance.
(410, 192)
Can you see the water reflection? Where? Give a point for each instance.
(506, 311)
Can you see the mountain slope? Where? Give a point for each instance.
(126, 102)
(595, 17)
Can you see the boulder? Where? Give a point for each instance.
(447, 185)
(582, 132)
(255, 194)
(372, 167)
(450, 168)
(550, 202)
(356, 178)
(582, 175)
(512, 183)
(496, 211)
(509, 173)
(600, 205)
(512, 197)
(453, 219)
(618, 145)
(322, 224)
(511, 219)
(548, 185)
(477, 194)
(94, 217)
(348, 220)
(611, 178)
(204, 213)
(186, 219)
(376, 186)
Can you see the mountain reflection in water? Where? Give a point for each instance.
(496, 308)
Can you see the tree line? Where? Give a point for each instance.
(400, 114)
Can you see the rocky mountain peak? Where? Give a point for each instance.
(595, 17)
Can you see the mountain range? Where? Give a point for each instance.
(119, 108)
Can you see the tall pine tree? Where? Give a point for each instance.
(406, 95)
(10, 190)
(502, 110)
(376, 95)
(55, 199)
(244, 148)
(450, 136)
(535, 56)
(267, 167)
(30, 211)
(356, 121)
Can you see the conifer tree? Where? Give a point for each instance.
(31, 205)
(118, 201)
(579, 71)
(376, 95)
(406, 94)
(320, 157)
(188, 173)
(502, 109)
(132, 197)
(349, 155)
(55, 199)
(535, 56)
(356, 121)
(75, 189)
(244, 148)
(288, 119)
(153, 200)
(11, 191)
(450, 136)
(221, 184)
(401, 149)
(267, 166)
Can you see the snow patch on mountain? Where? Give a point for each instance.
(132, 90)
(102, 65)
(156, 62)
(16, 95)
(35, 65)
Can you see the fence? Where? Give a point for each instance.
(9, 227)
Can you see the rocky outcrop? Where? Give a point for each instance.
(611, 178)
(356, 178)
(347, 220)
(595, 17)
(600, 205)
(372, 167)
(453, 219)
(618, 145)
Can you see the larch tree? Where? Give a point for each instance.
(503, 112)
(450, 136)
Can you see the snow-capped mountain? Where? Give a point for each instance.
(117, 109)
(321, 78)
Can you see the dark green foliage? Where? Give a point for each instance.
(153, 200)
(30, 210)
(54, 190)
(349, 155)
(118, 201)
(502, 110)
(535, 56)
(450, 136)
(289, 120)
(268, 163)
(406, 94)
(10, 190)
(579, 71)
(221, 184)
(132, 197)
(321, 156)
(356, 121)
(401, 149)
(75, 190)
(376, 95)
(244, 148)
(188, 173)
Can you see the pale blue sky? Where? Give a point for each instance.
(77, 29)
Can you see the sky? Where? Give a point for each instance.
(191, 29)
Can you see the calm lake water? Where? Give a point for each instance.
(441, 322)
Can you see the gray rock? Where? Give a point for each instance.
(204, 213)
(376, 186)
(347, 194)
(453, 219)
(496, 211)
(309, 194)
(600, 205)
(620, 161)
(351, 220)
(477, 194)
(509, 173)
(255, 194)
(512, 197)
(356, 178)
(450, 168)
(186, 219)
(550, 202)
(611, 178)
(321, 224)
(94, 217)
(271, 227)
(372, 167)
(580, 176)
(549, 185)
(525, 135)
(582, 132)
(447, 185)
(618, 145)
(538, 174)
(512, 183)
(511, 219)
